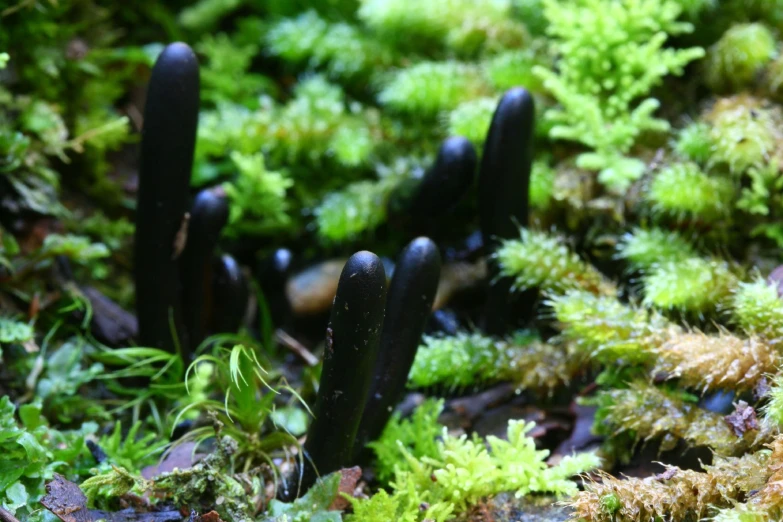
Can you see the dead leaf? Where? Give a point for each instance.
(180, 457)
(66, 500)
(349, 477)
(743, 419)
(68, 503)
(762, 389)
(666, 475)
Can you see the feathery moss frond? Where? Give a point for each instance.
(647, 412)
(744, 132)
(360, 207)
(470, 359)
(644, 248)
(471, 119)
(466, 469)
(542, 185)
(683, 191)
(693, 285)
(611, 56)
(734, 62)
(757, 308)
(417, 435)
(694, 142)
(675, 494)
(607, 330)
(427, 88)
(514, 68)
(465, 26)
(257, 197)
(540, 260)
(341, 49)
(707, 362)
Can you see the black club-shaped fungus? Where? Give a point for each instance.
(167, 144)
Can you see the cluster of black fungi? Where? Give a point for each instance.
(373, 331)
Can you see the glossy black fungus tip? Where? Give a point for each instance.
(447, 181)
(178, 56)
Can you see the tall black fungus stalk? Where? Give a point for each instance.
(167, 144)
(208, 216)
(408, 306)
(503, 191)
(351, 348)
(439, 190)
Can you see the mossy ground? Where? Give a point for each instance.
(655, 222)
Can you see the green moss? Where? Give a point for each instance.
(544, 261)
(684, 192)
(257, 197)
(644, 248)
(542, 185)
(736, 60)
(692, 285)
(647, 412)
(469, 360)
(341, 49)
(471, 119)
(427, 88)
(608, 331)
(694, 142)
(467, 469)
(604, 49)
(744, 132)
(417, 435)
(757, 308)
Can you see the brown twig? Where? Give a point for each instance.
(295, 346)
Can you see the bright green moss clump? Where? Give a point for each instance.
(430, 87)
(757, 308)
(611, 56)
(464, 360)
(544, 261)
(464, 470)
(694, 142)
(683, 191)
(644, 248)
(744, 132)
(693, 285)
(736, 60)
(608, 331)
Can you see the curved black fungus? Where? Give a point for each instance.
(351, 346)
(273, 273)
(230, 294)
(408, 307)
(442, 186)
(96, 451)
(503, 191)
(167, 144)
(208, 216)
(181, 429)
(447, 181)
